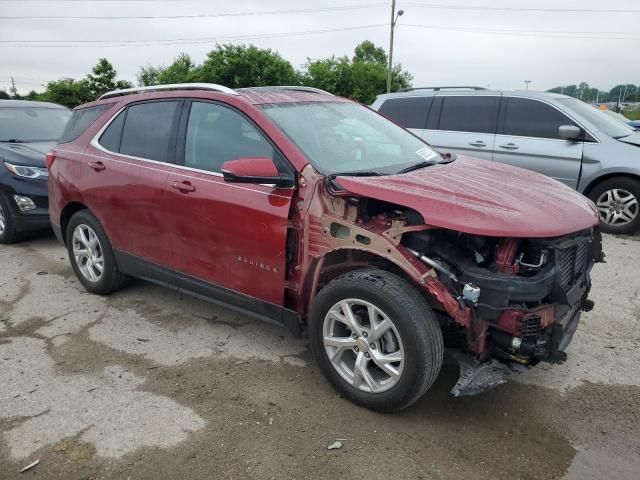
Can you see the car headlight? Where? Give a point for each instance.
(27, 172)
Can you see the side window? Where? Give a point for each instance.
(216, 134)
(478, 114)
(110, 139)
(410, 112)
(149, 129)
(531, 118)
(80, 120)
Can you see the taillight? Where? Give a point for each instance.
(51, 156)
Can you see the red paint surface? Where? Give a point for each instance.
(251, 167)
(483, 198)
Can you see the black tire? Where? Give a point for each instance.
(413, 319)
(111, 279)
(621, 183)
(9, 234)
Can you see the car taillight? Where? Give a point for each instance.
(51, 156)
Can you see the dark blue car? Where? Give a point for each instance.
(28, 130)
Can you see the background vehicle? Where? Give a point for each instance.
(553, 134)
(312, 211)
(634, 124)
(28, 130)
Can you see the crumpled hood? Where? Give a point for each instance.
(29, 154)
(483, 198)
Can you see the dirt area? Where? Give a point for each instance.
(149, 384)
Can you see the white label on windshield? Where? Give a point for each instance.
(426, 153)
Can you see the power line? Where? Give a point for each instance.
(338, 8)
(189, 41)
(529, 33)
(470, 29)
(521, 9)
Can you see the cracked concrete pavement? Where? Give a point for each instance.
(147, 383)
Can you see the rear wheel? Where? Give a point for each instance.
(376, 339)
(618, 203)
(91, 255)
(8, 232)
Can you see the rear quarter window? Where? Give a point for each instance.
(410, 112)
(81, 119)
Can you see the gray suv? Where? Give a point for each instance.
(553, 134)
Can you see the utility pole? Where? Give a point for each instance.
(394, 19)
(527, 82)
(13, 90)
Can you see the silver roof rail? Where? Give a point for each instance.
(298, 88)
(169, 86)
(442, 88)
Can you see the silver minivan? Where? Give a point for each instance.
(553, 134)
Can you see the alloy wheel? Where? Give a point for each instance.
(3, 222)
(87, 252)
(617, 207)
(363, 345)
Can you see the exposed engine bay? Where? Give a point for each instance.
(504, 304)
(526, 295)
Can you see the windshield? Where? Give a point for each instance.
(32, 124)
(600, 120)
(347, 138)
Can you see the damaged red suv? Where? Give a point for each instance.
(317, 213)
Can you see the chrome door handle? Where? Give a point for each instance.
(509, 146)
(184, 187)
(478, 143)
(97, 166)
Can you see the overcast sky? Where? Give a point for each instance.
(460, 46)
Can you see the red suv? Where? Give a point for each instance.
(317, 213)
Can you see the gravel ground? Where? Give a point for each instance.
(148, 384)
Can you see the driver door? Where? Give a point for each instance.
(228, 239)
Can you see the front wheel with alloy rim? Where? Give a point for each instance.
(376, 339)
(618, 203)
(91, 254)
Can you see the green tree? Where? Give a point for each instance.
(33, 95)
(4, 95)
(367, 52)
(181, 70)
(361, 78)
(237, 66)
(102, 79)
(68, 92)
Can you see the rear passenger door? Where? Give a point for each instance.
(528, 138)
(125, 183)
(463, 124)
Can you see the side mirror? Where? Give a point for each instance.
(569, 132)
(254, 170)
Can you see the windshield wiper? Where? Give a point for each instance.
(416, 166)
(359, 173)
(13, 140)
